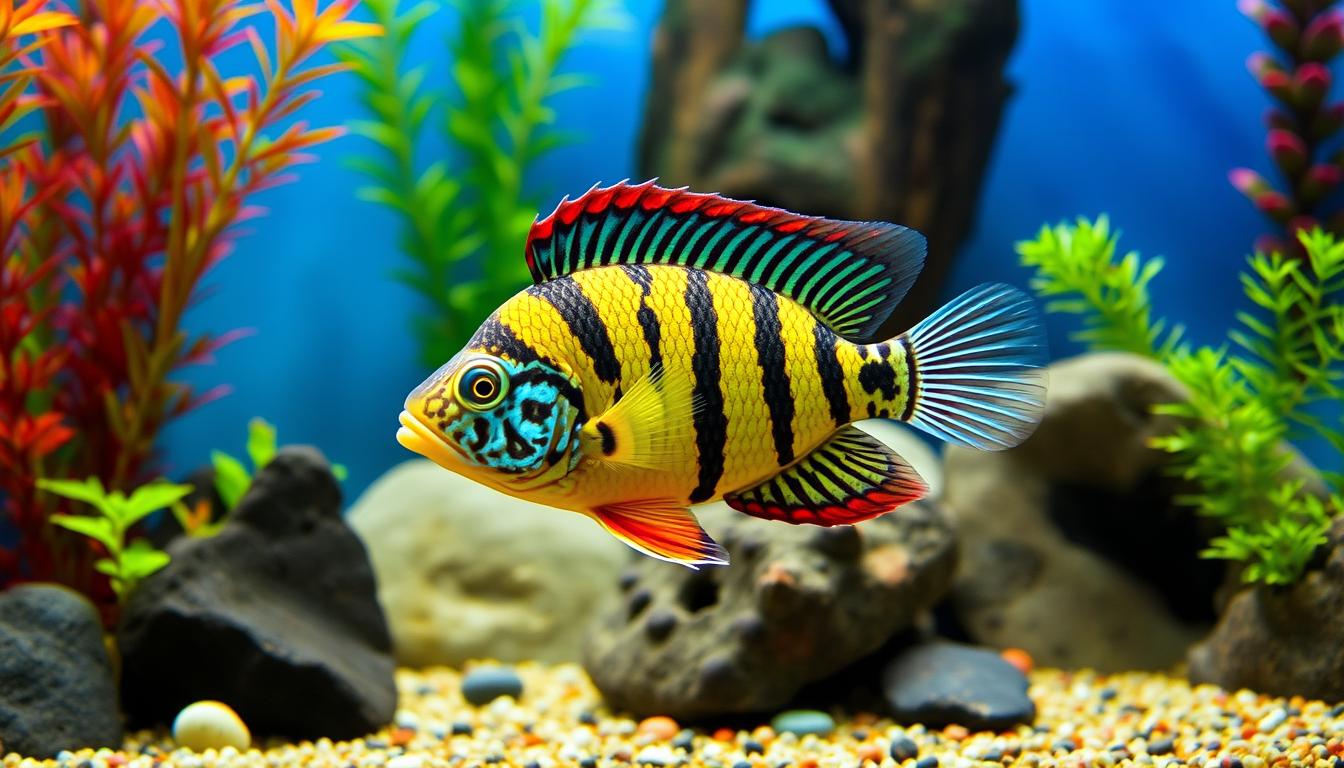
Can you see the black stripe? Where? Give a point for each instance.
(808, 295)
(711, 423)
(682, 228)
(911, 372)
(498, 339)
(774, 374)
(609, 245)
(710, 258)
(742, 249)
(590, 245)
(832, 375)
(648, 320)
(581, 316)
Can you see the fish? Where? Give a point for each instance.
(677, 348)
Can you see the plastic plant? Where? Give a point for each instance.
(464, 219)
(1284, 362)
(1307, 36)
(155, 132)
(126, 563)
(232, 477)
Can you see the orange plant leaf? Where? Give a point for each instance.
(42, 21)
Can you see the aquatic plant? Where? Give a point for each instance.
(465, 218)
(1307, 35)
(125, 563)
(233, 478)
(1283, 363)
(131, 189)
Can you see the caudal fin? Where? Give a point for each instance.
(978, 369)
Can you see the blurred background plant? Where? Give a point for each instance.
(233, 478)
(142, 153)
(1307, 35)
(1286, 358)
(464, 218)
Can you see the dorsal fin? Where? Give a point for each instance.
(850, 274)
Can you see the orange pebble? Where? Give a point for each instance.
(659, 727)
(531, 739)
(725, 734)
(956, 732)
(1018, 658)
(400, 737)
(764, 734)
(869, 751)
(809, 763)
(1249, 731)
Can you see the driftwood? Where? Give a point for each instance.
(900, 132)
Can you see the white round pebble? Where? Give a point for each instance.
(406, 761)
(211, 725)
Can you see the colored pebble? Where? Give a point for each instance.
(210, 725)
(753, 747)
(904, 748)
(483, 685)
(803, 722)
(659, 728)
(1018, 658)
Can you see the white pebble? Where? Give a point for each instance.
(656, 756)
(211, 725)
(406, 761)
(1273, 720)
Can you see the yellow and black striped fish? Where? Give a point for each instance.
(679, 348)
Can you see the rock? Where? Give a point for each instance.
(901, 132)
(803, 722)
(1283, 641)
(1059, 535)
(57, 690)
(465, 572)
(944, 683)
(797, 604)
(210, 725)
(276, 615)
(483, 685)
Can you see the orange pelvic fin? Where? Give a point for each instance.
(661, 528)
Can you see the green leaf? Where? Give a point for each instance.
(100, 529)
(231, 478)
(260, 443)
(339, 472)
(89, 490)
(151, 498)
(141, 559)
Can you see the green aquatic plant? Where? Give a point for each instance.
(233, 478)
(1283, 364)
(126, 563)
(465, 219)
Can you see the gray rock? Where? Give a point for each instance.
(1059, 535)
(797, 604)
(1283, 641)
(465, 572)
(56, 686)
(276, 616)
(942, 683)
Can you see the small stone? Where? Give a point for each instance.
(753, 747)
(659, 728)
(406, 761)
(656, 756)
(1271, 721)
(461, 728)
(904, 748)
(1163, 746)
(803, 722)
(931, 761)
(941, 683)
(210, 725)
(483, 685)
(684, 740)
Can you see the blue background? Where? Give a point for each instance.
(1137, 108)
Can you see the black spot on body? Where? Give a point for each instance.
(608, 439)
(879, 376)
(536, 411)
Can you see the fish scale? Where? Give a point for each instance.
(679, 348)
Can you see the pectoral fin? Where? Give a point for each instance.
(663, 529)
(647, 427)
(849, 478)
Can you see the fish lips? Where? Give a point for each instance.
(415, 435)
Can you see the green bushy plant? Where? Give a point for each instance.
(126, 562)
(233, 478)
(465, 218)
(1282, 364)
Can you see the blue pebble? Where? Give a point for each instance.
(483, 685)
(803, 722)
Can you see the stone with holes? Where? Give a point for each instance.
(797, 604)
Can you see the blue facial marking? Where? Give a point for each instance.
(531, 428)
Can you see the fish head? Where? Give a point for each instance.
(506, 424)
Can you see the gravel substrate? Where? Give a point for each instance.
(1084, 720)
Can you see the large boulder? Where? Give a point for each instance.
(796, 604)
(277, 616)
(1284, 641)
(56, 686)
(1074, 546)
(465, 572)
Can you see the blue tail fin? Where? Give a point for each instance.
(977, 369)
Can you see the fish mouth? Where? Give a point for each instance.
(415, 435)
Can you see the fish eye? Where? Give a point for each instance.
(482, 385)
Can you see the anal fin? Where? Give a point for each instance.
(663, 529)
(849, 478)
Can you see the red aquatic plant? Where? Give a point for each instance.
(130, 191)
(1306, 36)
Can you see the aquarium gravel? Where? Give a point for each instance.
(1085, 719)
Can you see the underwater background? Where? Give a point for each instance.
(1135, 108)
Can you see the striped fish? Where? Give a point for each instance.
(678, 348)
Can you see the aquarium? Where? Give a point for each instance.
(629, 384)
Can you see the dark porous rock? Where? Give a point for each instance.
(276, 616)
(1285, 641)
(1061, 535)
(943, 683)
(797, 604)
(56, 686)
